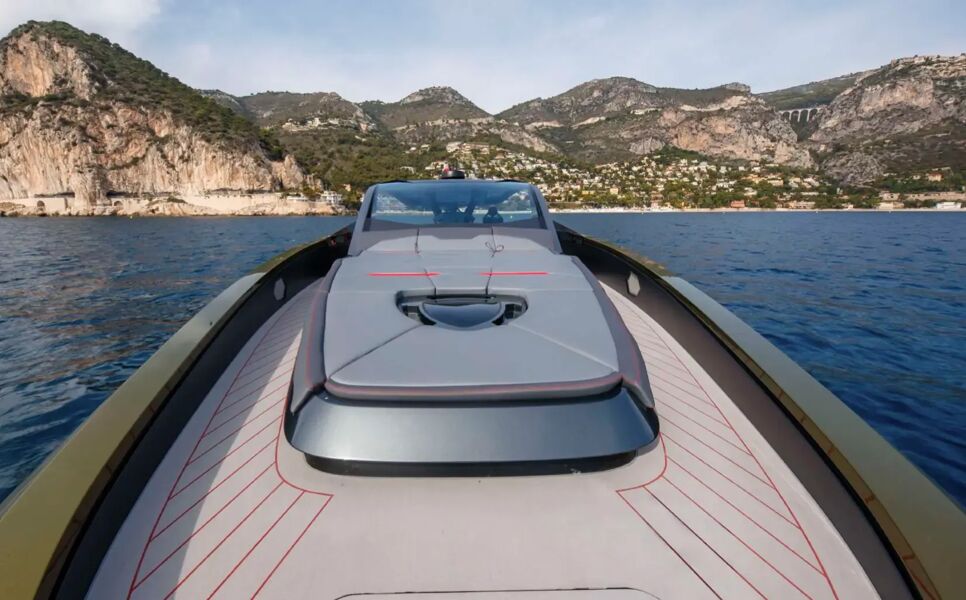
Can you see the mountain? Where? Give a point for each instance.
(816, 93)
(425, 106)
(441, 114)
(294, 112)
(82, 117)
(904, 117)
(619, 118)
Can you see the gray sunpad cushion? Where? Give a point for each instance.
(560, 346)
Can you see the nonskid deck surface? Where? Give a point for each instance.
(710, 512)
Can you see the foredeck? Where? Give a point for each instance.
(710, 512)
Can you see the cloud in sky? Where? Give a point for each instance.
(117, 19)
(501, 52)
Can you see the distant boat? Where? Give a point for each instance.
(456, 398)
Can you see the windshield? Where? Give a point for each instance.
(463, 203)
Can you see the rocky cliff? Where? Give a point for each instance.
(904, 117)
(80, 116)
(619, 117)
(908, 115)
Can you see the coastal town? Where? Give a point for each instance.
(677, 180)
(667, 181)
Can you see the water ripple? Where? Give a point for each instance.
(871, 306)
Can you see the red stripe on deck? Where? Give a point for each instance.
(499, 273)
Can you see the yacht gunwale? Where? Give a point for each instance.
(43, 521)
(44, 518)
(922, 530)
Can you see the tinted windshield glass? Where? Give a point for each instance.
(463, 203)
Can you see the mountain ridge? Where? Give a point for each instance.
(101, 121)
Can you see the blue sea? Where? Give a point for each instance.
(872, 304)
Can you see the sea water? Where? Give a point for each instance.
(871, 304)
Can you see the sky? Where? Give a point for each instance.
(500, 52)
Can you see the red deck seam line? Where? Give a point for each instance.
(717, 435)
(280, 331)
(662, 379)
(278, 356)
(687, 370)
(660, 437)
(271, 348)
(242, 412)
(280, 335)
(671, 390)
(651, 347)
(802, 529)
(663, 353)
(646, 336)
(292, 547)
(196, 530)
(267, 356)
(674, 379)
(221, 460)
(745, 515)
(177, 480)
(270, 367)
(668, 544)
(737, 537)
(279, 343)
(258, 388)
(921, 584)
(223, 540)
(772, 483)
(753, 496)
(689, 405)
(703, 541)
(249, 407)
(669, 349)
(713, 449)
(651, 356)
(228, 437)
(284, 358)
(252, 393)
(252, 549)
(669, 365)
(199, 500)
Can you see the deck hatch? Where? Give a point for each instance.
(462, 312)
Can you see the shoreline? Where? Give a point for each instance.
(338, 213)
(3, 215)
(279, 204)
(190, 205)
(752, 210)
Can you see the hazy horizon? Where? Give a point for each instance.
(503, 53)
